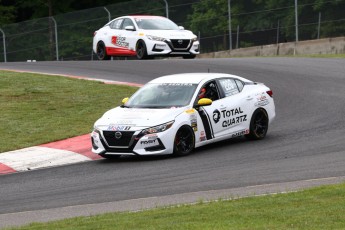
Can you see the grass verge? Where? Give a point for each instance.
(37, 109)
(294, 56)
(316, 208)
(319, 55)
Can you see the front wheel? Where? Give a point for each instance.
(141, 50)
(258, 125)
(184, 141)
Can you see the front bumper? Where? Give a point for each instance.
(132, 143)
(173, 47)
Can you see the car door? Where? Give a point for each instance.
(210, 115)
(114, 37)
(128, 37)
(233, 116)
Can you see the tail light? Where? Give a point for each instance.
(94, 33)
(270, 92)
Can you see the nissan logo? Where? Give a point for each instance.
(118, 135)
(180, 41)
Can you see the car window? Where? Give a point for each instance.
(156, 24)
(229, 86)
(240, 85)
(164, 95)
(127, 22)
(209, 90)
(116, 24)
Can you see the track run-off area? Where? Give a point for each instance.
(305, 145)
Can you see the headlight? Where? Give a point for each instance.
(194, 39)
(155, 38)
(158, 128)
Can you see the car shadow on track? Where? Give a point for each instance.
(214, 148)
(135, 159)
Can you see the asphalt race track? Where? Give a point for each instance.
(306, 141)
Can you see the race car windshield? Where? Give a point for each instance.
(156, 24)
(162, 96)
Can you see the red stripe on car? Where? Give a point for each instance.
(120, 51)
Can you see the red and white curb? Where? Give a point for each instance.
(69, 151)
(79, 77)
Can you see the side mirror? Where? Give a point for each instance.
(130, 28)
(181, 27)
(204, 102)
(124, 100)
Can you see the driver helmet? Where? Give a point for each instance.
(202, 93)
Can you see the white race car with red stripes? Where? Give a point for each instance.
(144, 37)
(175, 114)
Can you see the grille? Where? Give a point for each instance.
(177, 44)
(113, 141)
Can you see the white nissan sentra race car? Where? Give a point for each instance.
(144, 37)
(175, 114)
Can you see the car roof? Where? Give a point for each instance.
(135, 17)
(194, 78)
(143, 16)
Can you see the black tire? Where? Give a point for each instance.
(110, 157)
(258, 125)
(188, 56)
(102, 52)
(184, 141)
(141, 50)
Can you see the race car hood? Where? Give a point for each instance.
(137, 118)
(171, 34)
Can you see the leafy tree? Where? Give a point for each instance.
(210, 18)
(137, 7)
(7, 14)
(258, 19)
(331, 11)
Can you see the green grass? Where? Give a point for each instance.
(316, 55)
(298, 56)
(292, 56)
(317, 208)
(327, 55)
(37, 109)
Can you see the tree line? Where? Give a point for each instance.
(270, 17)
(22, 10)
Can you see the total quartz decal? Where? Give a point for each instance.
(229, 117)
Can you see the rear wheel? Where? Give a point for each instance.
(184, 141)
(141, 50)
(102, 52)
(258, 125)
